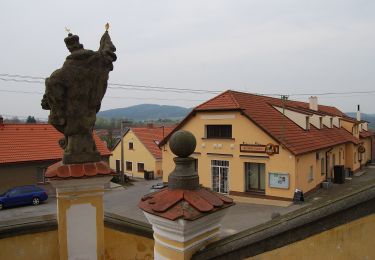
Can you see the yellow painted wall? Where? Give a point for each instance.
(351, 156)
(120, 245)
(158, 168)
(243, 130)
(367, 144)
(45, 246)
(353, 240)
(38, 246)
(139, 154)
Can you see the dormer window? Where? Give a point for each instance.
(307, 123)
(331, 122)
(320, 122)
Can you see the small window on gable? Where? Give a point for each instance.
(331, 122)
(131, 146)
(320, 122)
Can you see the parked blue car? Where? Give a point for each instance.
(23, 195)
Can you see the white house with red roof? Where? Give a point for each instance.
(26, 150)
(257, 145)
(140, 151)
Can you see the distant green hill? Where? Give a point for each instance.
(146, 112)
(367, 117)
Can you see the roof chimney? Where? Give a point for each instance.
(358, 113)
(313, 103)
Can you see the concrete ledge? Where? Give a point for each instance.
(45, 223)
(294, 226)
(128, 225)
(27, 226)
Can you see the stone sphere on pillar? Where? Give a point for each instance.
(182, 143)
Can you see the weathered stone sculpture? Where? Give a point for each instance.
(74, 94)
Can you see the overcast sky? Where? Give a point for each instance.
(258, 46)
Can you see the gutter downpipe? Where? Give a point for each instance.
(330, 149)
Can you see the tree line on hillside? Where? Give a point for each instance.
(16, 120)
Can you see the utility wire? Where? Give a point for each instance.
(35, 79)
(116, 85)
(137, 98)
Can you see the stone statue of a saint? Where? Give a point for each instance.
(74, 94)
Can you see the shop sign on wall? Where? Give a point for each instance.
(279, 180)
(269, 149)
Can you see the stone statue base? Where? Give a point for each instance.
(80, 148)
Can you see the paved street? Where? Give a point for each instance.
(124, 201)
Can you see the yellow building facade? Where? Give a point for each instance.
(252, 161)
(140, 152)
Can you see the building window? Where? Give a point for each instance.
(40, 174)
(331, 122)
(307, 123)
(129, 166)
(311, 174)
(131, 147)
(322, 166)
(320, 122)
(196, 165)
(219, 131)
(141, 167)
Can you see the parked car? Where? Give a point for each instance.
(23, 195)
(158, 186)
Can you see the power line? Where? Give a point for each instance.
(35, 79)
(20, 76)
(116, 85)
(137, 98)
(334, 93)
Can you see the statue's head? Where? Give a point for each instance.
(72, 43)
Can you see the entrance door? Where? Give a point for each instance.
(220, 171)
(255, 177)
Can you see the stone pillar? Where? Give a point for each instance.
(80, 214)
(185, 216)
(180, 239)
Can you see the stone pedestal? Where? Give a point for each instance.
(182, 238)
(185, 216)
(80, 213)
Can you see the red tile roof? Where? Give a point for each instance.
(82, 170)
(364, 134)
(34, 142)
(150, 138)
(260, 110)
(185, 204)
